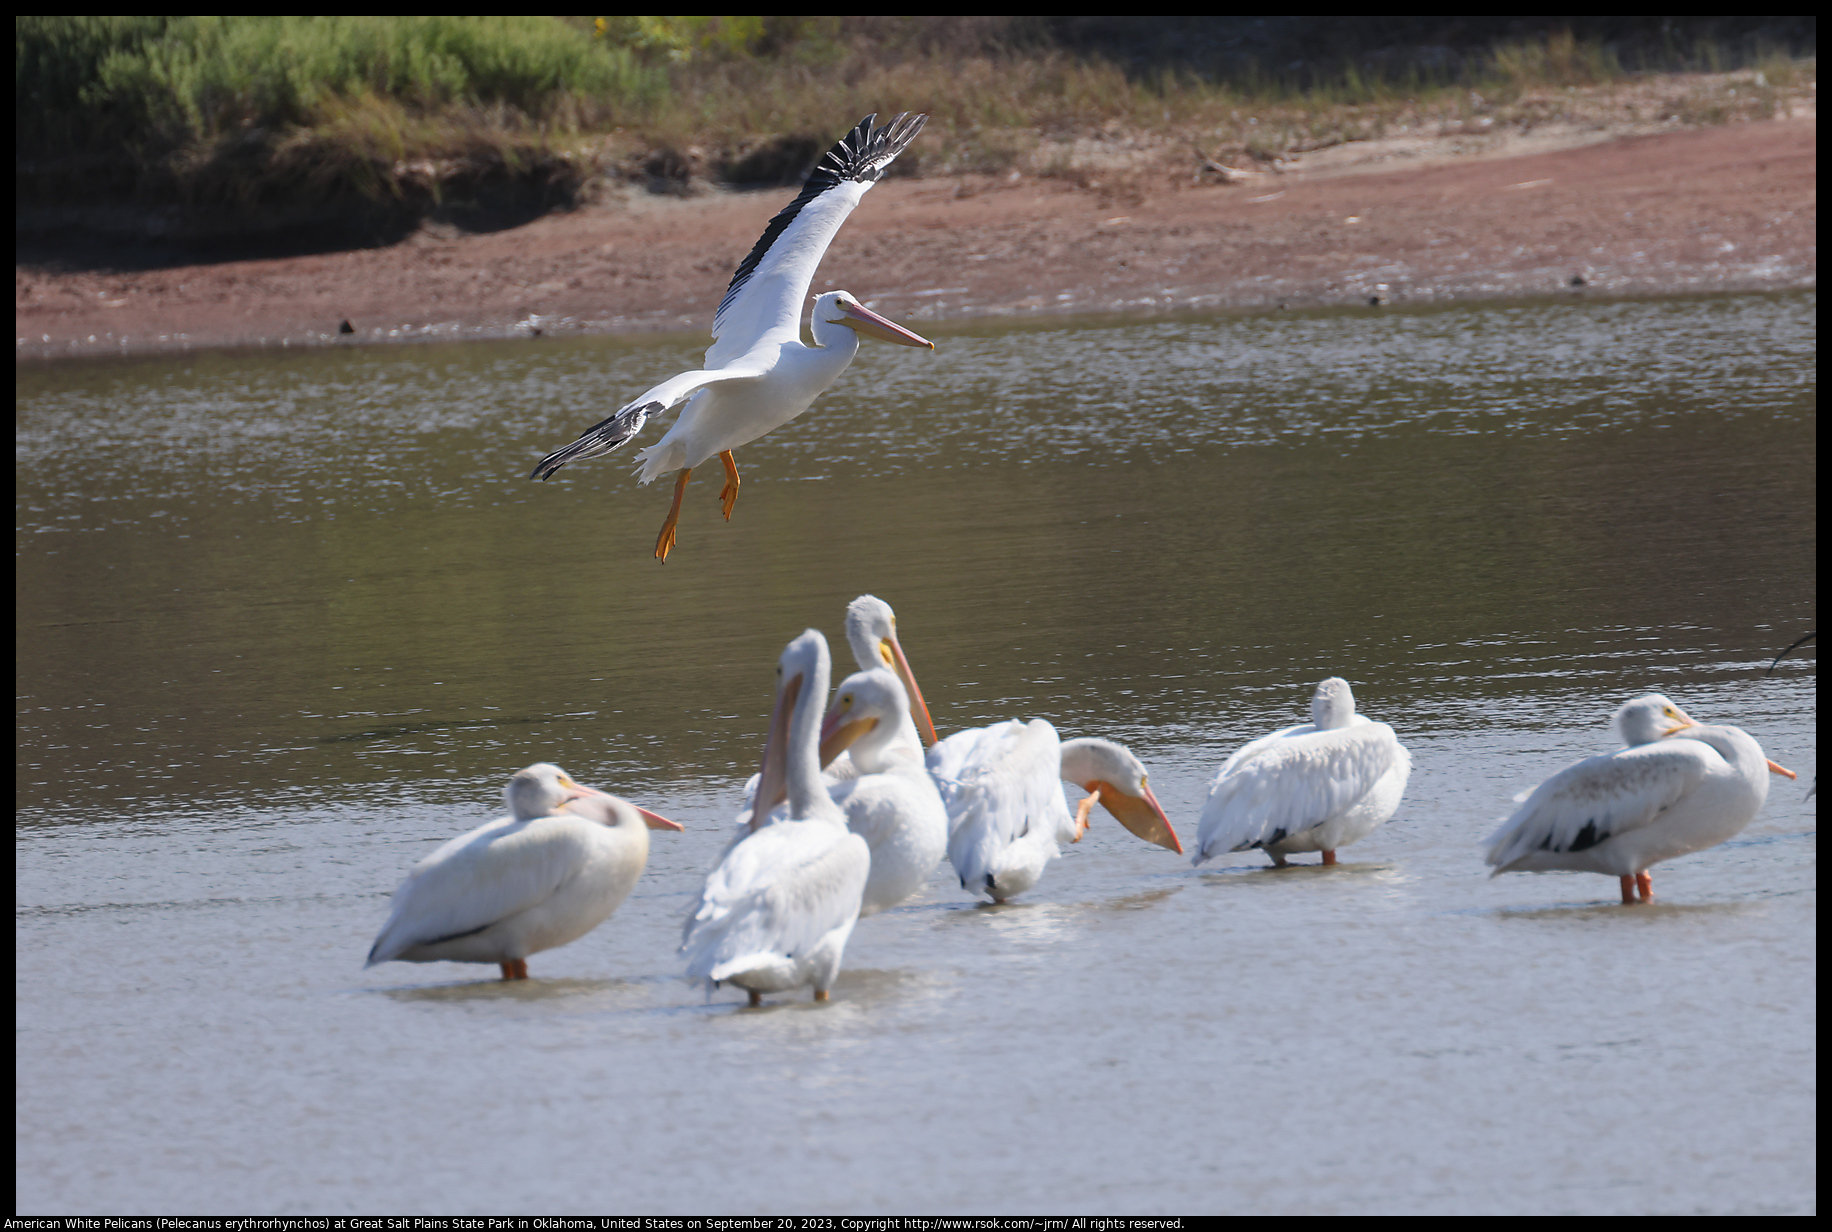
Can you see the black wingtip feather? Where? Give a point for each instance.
(861, 155)
(601, 438)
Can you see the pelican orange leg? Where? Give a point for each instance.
(1642, 883)
(515, 969)
(664, 542)
(1329, 857)
(1081, 814)
(728, 495)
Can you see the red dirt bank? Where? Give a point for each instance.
(1721, 209)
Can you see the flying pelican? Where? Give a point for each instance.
(758, 375)
(1003, 789)
(1315, 786)
(555, 868)
(1680, 786)
(776, 911)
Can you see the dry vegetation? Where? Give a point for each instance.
(266, 116)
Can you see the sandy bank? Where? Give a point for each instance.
(1719, 209)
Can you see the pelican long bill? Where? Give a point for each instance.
(1142, 815)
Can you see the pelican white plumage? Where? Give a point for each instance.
(1002, 786)
(776, 911)
(890, 801)
(1315, 786)
(871, 631)
(555, 868)
(1680, 786)
(758, 374)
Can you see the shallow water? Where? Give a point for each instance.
(287, 621)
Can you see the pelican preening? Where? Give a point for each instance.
(1680, 786)
(1003, 789)
(775, 913)
(555, 868)
(758, 374)
(1317, 786)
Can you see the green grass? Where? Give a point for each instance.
(254, 112)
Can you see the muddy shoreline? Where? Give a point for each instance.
(1695, 210)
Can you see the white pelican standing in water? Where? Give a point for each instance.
(1680, 786)
(554, 869)
(890, 802)
(1002, 786)
(776, 911)
(1315, 786)
(871, 751)
(758, 374)
(884, 789)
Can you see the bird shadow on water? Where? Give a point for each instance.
(859, 987)
(1606, 910)
(1269, 874)
(1131, 902)
(519, 992)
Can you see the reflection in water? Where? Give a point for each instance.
(286, 621)
(491, 988)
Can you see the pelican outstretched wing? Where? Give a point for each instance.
(767, 291)
(619, 429)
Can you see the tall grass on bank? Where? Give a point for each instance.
(237, 107)
(264, 112)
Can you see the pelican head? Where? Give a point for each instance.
(544, 790)
(801, 685)
(1111, 770)
(1332, 705)
(1649, 718)
(541, 790)
(840, 308)
(866, 707)
(871, 631)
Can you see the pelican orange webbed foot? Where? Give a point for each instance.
(664, 542)
(728, 495)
